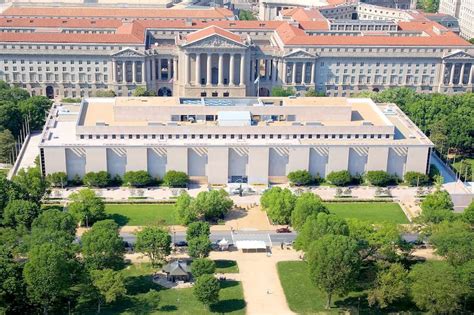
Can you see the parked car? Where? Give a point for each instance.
(181, 244)
(283, 230)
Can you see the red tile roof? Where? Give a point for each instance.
(212, 30)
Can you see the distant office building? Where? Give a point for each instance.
(218, 140)
(463, 10)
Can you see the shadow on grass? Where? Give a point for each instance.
(120, 219)
(141, 284)
(168, 308)
(227, 306)
(223, 263)
(228, 284)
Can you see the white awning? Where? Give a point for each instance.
(251, 245)
(223, 242)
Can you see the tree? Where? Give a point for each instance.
(141, 91)
(319, 225)
(137, 178)
(155, 242)
(278, 203)
(390, 286)
(206, 289)
(340, 178)
(58, 179)
(436, 207)
(20, 213)
(379, 178)
(7, 143)
(439, 135)
(468, 215)
(36, 108)
(311, 92)
(10, 116)
(436, 287)
(175, 179)
(197, 229)
(300, 178)
(453, 240)
(185, 213)
(428, 5)
(202, 266)
(416, 179)
(49, 274)
(102, 246)
(13, 298)
(306, 205)
(105, 93)
(30, 184)
(282, 92)
(334, 264)
(86, 207)
(97, 179)
(471, 41)
(109, 286)
(245, 15)
(199, 247)
(53, 225)
(213, 205)
(465, 169)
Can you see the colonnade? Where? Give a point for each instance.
(129, 71)
(289, 72)
(154, 69)
(449, 77)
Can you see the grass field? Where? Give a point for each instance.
(457, 165)
(304, 297)
(171, 301)
(4, 172)
(226, 266)
(141, 214)
(369, 211)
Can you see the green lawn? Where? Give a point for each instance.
(226, 266)
(457, 165)
(4, 172)
(141, 214)
(304, 298)
(171, 301)
(369, 211)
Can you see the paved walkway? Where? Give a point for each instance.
(263, 292)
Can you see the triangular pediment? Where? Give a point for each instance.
(128, 52)
(300, 53)
(214, 41)
(459, 55)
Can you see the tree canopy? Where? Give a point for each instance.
(86, 207)
(278, 203)
(306, 204)
(155, 242)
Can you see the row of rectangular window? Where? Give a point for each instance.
(232, 136)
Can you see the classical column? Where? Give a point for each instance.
(303, 73)
(471, 74)
(312, 73)
(124, 72)
(251, 76)
(209, 69)
(169, 69)
(186, 68)
(274, 69)
(159, 69)
(153, 69)
(293, 74)
(231, 71)
(242, 69)
(266, 63)
(461, 75)
(114, 73)
(284, 74)
(451, 77)
(443, 70)
(198, 69)
(134, 72)
(175, 69)
(143, 72)
(221, 69)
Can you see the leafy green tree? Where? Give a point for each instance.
(300, 178)
(53, 225)
(141, 91)
(245, 15)
(109, 285)
(334, 264)
(30, 184)
(439, 135)
(416, 179)
(20, 213)
(97, 179)
(213, 205)
(155, 242)
(7, 143)
(379, 178)
(175, 179)
(58, 179)
(202, 266)
(339, 178)
(471, 41)
(282, 92)
(13, 298)
(428, 5)
(454, 241)
(102, 246)
(437, 207)
(466, 274)
(206, 290)
(137, 178)
(10, 116)
(317, 226)
(6, 192)
(197, 229)
(105, 93)
(389, 287)
(311, 92)
(306, 205)
(36, 108)
(49, 274)
(199, 247)
(279, 204)
(86, 207)
(185, 213)
(465, 170)
(468, 215)
(436, 287)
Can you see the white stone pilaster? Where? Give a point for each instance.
(198, 69)
(242, 69)
(221, 69)
(209, 69)
(231, 69)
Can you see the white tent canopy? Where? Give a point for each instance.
(223, 242)
(251, 245)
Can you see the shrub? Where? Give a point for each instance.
(202, 266)
(300, 178)
(137, 178)
(58, 179)
(97, 179)
(340, 178)
(105, 93)
(279, 91)
(71, 100)
(175, 179)
(416, 179)
(379, 178)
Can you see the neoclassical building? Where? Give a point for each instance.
(339, 50)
